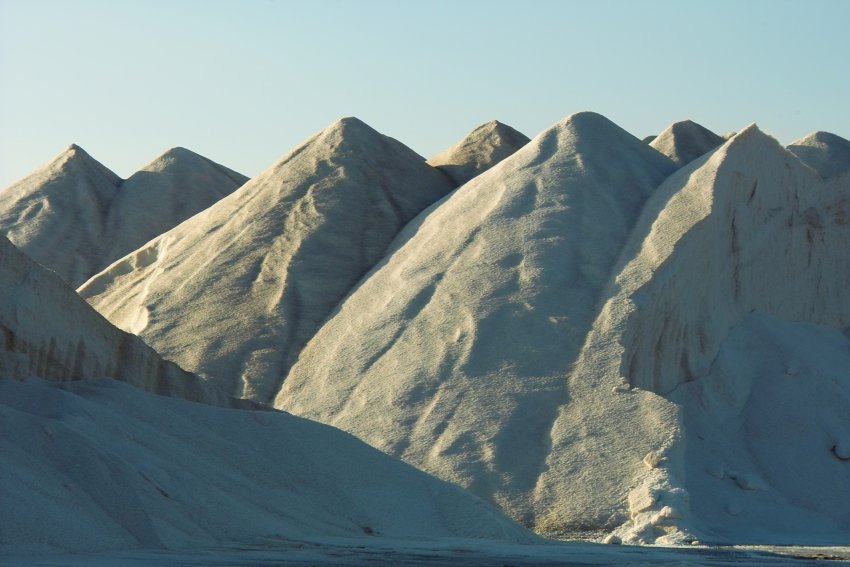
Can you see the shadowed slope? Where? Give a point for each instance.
(451, 353)
(745, 228)
(236, 291)
(76, 217)
(49, 332)
(826, 153)
(480, 150)
(685, 141)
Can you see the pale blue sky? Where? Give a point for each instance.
(243, 82)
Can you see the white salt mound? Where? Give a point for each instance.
(234, 292)
(76, 217)
(745, 229)
(452, 353)
(480, 150)
(761, 445)
(685, 141)
(49, 332)
(718, 240)
(99, 465)
(826, 153)
(533, 338)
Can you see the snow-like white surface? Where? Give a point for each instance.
(581, 334)
(480, 150)
(826, 153)
(236, 291)
(452, 353)
(685, 141)
(99, 465)
(503, 345)
(49, 332)
(746, 228)
(76, 217)
(767, 433)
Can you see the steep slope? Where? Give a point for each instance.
(236, 291)
(100, 465)
(53, 214)
(49, 332)
(746, 228)
(826, 153)
(685, 141)
(480, 150)
(452, 353)
(175, 186)
(76, 217)
(719, 241)
(767, 449)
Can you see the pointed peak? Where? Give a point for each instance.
(496, 127)
(178, 158)
(76, 158)
(821, 138)
(175, 156)
(648, 139)
(74, 151)
(586, 120)
(181, 152)
(484, 147)
(349, 142)
(350, 131)
(691, 129)
(591, 129)
(600, 142)
(751, 132)
(826, 153)
(749, 140)
(350, 125)
(684, 141)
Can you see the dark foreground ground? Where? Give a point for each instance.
(381, 553)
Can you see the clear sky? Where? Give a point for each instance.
(243, 82)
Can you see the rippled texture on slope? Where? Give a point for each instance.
(452, 353)
(236, 291)
(826, 153)
(49, 332)
(746, 228)
(76, 217)
(685, 141)
(480, 150)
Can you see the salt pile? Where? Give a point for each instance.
(589, 334)
(480, 150)
(826, 153)
(452, 353)
(531, 340)
(76, 217)
(90, 463)
(49, 332)
(235, 292)
(98, 465)
(717, 241)
(685, 141)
